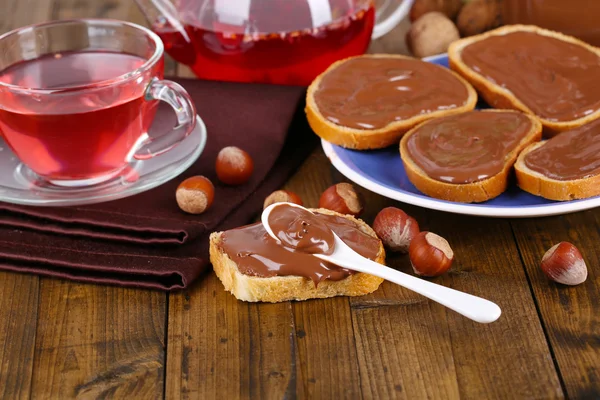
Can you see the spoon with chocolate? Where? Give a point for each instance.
(295, 227)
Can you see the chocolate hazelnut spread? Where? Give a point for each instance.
(467, 147)
(301, 230)
(372, 92)
(256, 253)
(557, 80)
(574, 154)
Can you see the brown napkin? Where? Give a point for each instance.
(145, 240)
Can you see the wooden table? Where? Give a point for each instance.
(60, 339)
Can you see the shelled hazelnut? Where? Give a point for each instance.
(430, 254)
(195, 195)
(234, 166)
(478, 16)
(395, 228)
(342, 198)
(431, 34)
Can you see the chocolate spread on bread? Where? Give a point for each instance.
(301, 230)
(467, 147)
(372, 92)
(258, 254)
(555, 79)
(574, 154)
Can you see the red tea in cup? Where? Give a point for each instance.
(79, 116)
(84, 136)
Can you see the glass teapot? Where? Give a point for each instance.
(268, 41)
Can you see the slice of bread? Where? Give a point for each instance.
(541, 185)
(363, 139)
(285, 288)
(499, 97)
(474, 192)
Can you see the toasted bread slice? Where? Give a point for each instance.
(362, 139)
(541, 185)
(286, 288)
(474, 192)
(499, 97)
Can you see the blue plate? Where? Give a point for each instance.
(382, 172)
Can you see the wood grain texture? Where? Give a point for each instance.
(98, 342)
(328, 360)
(571, 315)
(18, 293)
(219, 347)
(18, 320)
(108, 342)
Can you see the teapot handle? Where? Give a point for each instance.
(390, 22)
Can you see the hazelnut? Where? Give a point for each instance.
(430, 254)
(195, 195)
(282, 196)
(234, 166)
(431, 34)
(478, 16)
(342, 198)
(395, 228)
(564, 264)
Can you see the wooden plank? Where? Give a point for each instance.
(18, 293)
(410, 347)
(570, 314)
(326, 349)
(219, 347)
(98, 342)
(18, 316)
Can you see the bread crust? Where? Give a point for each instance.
(497, 96)
(363, 139)
(285, 288)
(540, 185)
(474, 192)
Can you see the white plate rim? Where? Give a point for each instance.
(456, 208)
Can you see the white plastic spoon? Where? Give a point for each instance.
(472, 307)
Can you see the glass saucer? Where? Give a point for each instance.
(20, 185)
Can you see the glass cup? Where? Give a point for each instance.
(77, 98)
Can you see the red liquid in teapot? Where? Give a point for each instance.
(74, 136)
(273, 46)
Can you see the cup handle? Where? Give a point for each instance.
(383, 27)
(181, 102)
